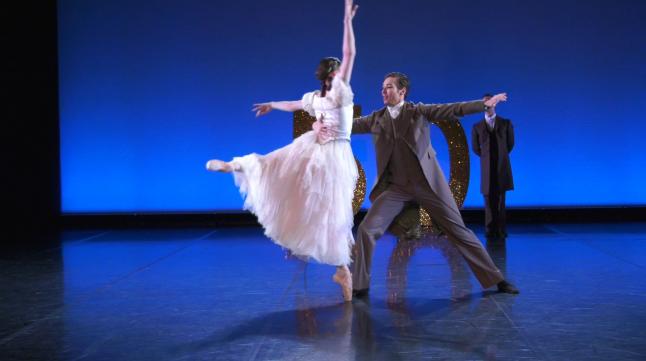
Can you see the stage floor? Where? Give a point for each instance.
(231, 294)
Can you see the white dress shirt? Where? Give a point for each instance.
(395, 109)
(491, 120)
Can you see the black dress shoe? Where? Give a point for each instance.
(360, 293)
(506, 287)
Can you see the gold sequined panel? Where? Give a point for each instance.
(303, 123)
(411, 217)
(409, 220)
(459, 160)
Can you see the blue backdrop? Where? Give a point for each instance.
(149, 90)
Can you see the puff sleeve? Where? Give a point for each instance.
(342, 92)
(306, 102)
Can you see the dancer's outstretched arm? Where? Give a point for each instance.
(345, 69)
(288, 106)
(349, 50)
(460, 109)
(491, 102)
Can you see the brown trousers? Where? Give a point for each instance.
(444, 212)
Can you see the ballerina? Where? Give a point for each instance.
(302, 193)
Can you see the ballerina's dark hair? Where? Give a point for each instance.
(323, 71)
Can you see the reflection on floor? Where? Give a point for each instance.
(231, 294)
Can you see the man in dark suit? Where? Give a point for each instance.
(492, 139)
(409, 172)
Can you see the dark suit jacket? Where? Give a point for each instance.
(416, 136)
(480, 142)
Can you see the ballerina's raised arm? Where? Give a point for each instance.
(345, 69)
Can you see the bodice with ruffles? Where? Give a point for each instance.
(333, 113)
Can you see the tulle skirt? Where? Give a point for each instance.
(302, 196)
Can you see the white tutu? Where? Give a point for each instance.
(302, 195)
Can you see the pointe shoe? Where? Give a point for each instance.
(344, 278)
(216, 165)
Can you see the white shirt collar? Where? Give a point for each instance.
(490, 120)
(395, 109)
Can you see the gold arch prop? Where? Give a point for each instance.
(413, 216)
(407, 223)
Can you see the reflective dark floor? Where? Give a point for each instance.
(231, 294)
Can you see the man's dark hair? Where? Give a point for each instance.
(487, 95)
(402, 81)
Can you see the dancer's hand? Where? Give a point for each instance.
(491, 102)
(262, 108)
(350, 9)
(216, 165)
